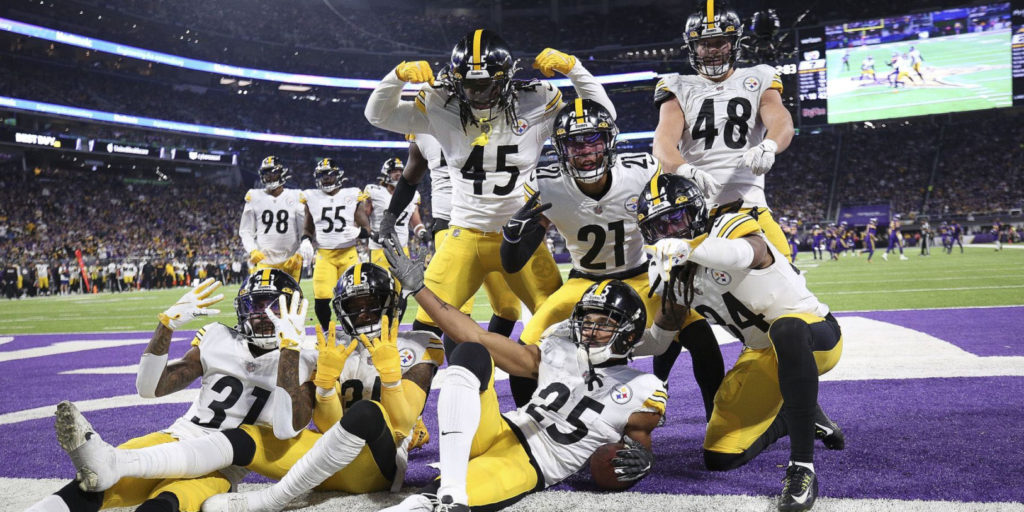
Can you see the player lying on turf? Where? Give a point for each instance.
(726, 269)
(254, 374)
(384, 384)
(587, 397)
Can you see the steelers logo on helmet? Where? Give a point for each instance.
(328, 175)
(712, 36)
(391, 172)
(261, 291)
(365, 293)
(607, 322)
(671, 206)
(585, 137)
(480, 76)
(272, 173)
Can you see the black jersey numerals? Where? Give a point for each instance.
(740, 317)
(561, 394)
(220, 407)
(738, 112)
(352, 391)
(329, 220)
(475, 171)
(272, 220)
(600, 237)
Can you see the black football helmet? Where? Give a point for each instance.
(608, 307)
(714, 19)
(579, 128)
(272, 173)
(388, 172)
(259, 292)
(481, 71)
(671, 206)
(328, 175)
(365, 293)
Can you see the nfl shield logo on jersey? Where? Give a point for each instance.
(721, 277)
(751, 83)
(406, 357)
(621, 394)
(250, 366)
(520, 126)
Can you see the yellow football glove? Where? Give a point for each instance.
(384, 352)
(331, 358)
(256, 256)
(550, 60)
(416, 72)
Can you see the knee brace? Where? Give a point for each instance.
(475, 358)
(365, 420)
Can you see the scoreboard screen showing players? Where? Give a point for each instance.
(1017, 44)
(926, 63)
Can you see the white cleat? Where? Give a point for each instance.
(415, 503)
(885, 256)
(239, 502)
(903, 258)
(93, 458)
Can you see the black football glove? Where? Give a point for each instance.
(524, 219)
(408, 272)
(633, 462)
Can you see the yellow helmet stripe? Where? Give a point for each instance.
(600, 287)
(579, 109)
(265, 278)
(357, 274)
(476, 49)
(655, 199)
(711, 13)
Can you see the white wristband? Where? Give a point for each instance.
(151, 367)
(721, 253)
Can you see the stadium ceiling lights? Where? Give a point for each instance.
(90, 43)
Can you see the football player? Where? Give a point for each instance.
(272, 223)
(958, 236)
(895, 238)
(725, 268)
(869, 237)
(867, 69)
(378, 197)
(425, 153)
(335, 228)
(588, 397)
(491, 128)
(725, 120)
(253, 374)
(915, 61)
(590, 196)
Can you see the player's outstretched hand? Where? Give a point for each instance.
(550, 60)
(761, 157)
(704, 181)
(668, 253)
(291, 325)
(416, 72)
(633, 462)
(331, 357)
(192, 305)
(409, 272)
(256, 256)
(387, 226)
(526, 217)
(384, 351)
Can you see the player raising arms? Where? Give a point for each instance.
(378, 197)
(491, 129)
(727, 121)
(591, 197)
(271, 226)
(254, 374)
(333, 219)
(725, 268)
(588, 397)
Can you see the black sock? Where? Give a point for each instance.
(798, 382)
(502, 326)
(420, 326)
(164, 502)
(322, 307)
(664, 362)
(708, 366)
(78, 500)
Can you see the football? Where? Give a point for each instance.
(602, 471)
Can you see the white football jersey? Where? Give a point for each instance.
(440, 179)
(236, 386)
(601, 235)
(565, 422)
(359, 378)
(273, 224)
(722, 123)
(334, 217)
(747, 301)
(381, 197)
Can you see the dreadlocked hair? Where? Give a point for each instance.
(682, 274)
(506, 105)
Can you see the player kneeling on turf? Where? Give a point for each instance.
(587, 397)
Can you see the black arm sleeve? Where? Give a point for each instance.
(404, 192)
(515, 255)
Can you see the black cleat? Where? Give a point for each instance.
(799, 489)
(826, 430)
